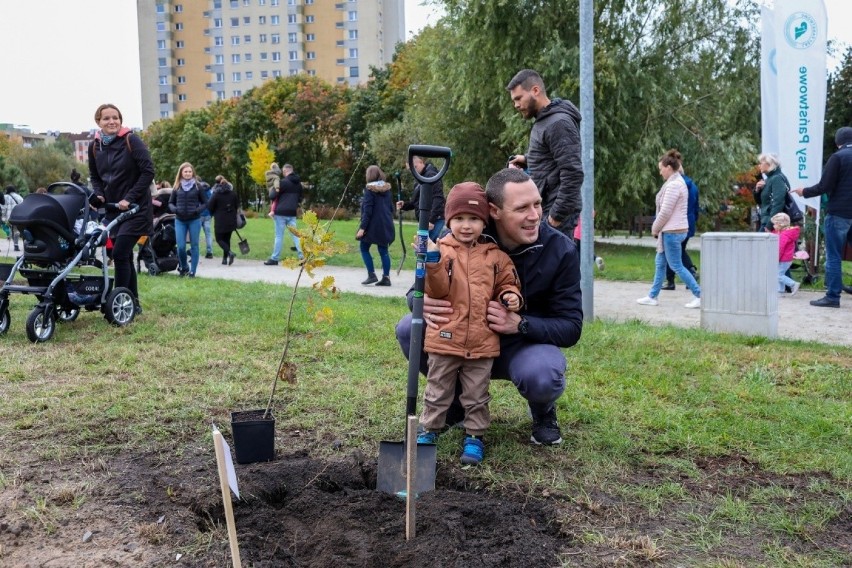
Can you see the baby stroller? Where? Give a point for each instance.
(60, 238)
(159, 250)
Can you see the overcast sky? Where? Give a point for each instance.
(62, 58)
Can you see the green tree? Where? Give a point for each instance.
(42, 165)
(10, 174)
(838, 104)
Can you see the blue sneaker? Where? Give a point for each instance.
(472, 451)
(427, 437)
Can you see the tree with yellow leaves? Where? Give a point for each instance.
(260, 156)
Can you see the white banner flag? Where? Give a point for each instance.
(800, 43)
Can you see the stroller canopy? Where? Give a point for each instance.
(57, 211)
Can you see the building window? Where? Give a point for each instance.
(309, 19)
(235, 22)
(220, 77)
(217, 4)
(220, 95)
(178, 8)
(309, 2)
(338, 43)
(161, 61)
(179, 44)
(237, 77)
(353, 53)
(182, 98)
(273, 2)
(164, 114)
(276, 38)
(261, 20)
(161, 26)
(235, 4)
(275, 20)
(238, 93)
(246, 2)
(235, 58)
(217, 22)
(164, 98)
(179, 26)
(353, 34)
(235, 40)
(263, 56)
(291, 2)
(264, 74)
(249, 75)
(246, 20)
(247, 57)
(338, 25)
(353, 16)
(164, 80)
(262, 38)
(218, 41)
(291, 18)
(291, 37)
(161, 44)
(246, 39)
(311, 55)
(293, 55)
(276, 56)
(181, 80)
(161, 9)
(310, 37)
(276, 72)
(312, 72)
(220, 59)
(293, 72)
(353, 71)
(261, 2)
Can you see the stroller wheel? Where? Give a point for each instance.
(66, 315)
(41, 323)
(5, 319)
(120, 307)
(153, 270)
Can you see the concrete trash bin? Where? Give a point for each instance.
(739, 283)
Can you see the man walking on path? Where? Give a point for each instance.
(553, 156)
(836, 182)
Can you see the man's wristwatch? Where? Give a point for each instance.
(523, 326)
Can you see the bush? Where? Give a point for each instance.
(325, 212)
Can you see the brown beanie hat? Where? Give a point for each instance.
(467, 197)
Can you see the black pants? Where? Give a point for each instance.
(687, 263)
(224, 241)
(122, 259)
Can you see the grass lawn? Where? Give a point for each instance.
(716, 450)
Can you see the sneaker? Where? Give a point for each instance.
(824, 302)
(695, 303)
(371, 279)
(427, 437)
(668, 286)
(17, 248)
(385, 281)
(648, 301)
(545, 429)
(795, 288)
(599, 262)
(208, 255)
(473, 450)
(271, 262)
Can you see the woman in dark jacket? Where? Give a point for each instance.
(771, 192)
(121, 171)
(223, 205)
(376, 225)
(187, 202)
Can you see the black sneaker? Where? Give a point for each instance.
(825, 302)
(669, 286)
(208, 255)
(385, 281)
(271, 262)
(545, 430)
(371, 279)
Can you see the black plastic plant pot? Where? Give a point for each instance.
(254, 436)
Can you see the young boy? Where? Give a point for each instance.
(469, 271)
(787, 237)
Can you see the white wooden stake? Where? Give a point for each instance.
(218, 442)
(410, 476)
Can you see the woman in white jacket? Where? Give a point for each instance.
(670, 227)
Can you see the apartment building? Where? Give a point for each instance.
(194, 52)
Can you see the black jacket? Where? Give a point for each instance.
(223, 205)
(377, 208)
(438, 199)
(554, 159)
(120, 170)
(187, 205)
(836, 181)
(289, 195)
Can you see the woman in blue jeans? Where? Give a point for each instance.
(187, 202)
(670, 227)
(376, 226)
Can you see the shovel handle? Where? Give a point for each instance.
(429, 151)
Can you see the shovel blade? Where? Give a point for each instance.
(391, 478)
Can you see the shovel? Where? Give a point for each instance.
(401, 239)
(407, 467)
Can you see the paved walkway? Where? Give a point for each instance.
(614, 301)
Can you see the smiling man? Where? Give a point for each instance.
(548, 269)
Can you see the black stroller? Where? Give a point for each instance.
(159, 250)
(60, 238)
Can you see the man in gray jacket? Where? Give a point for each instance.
(553, 157)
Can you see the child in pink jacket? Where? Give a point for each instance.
(787, 238)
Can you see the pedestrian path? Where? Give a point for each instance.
(614, 301)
